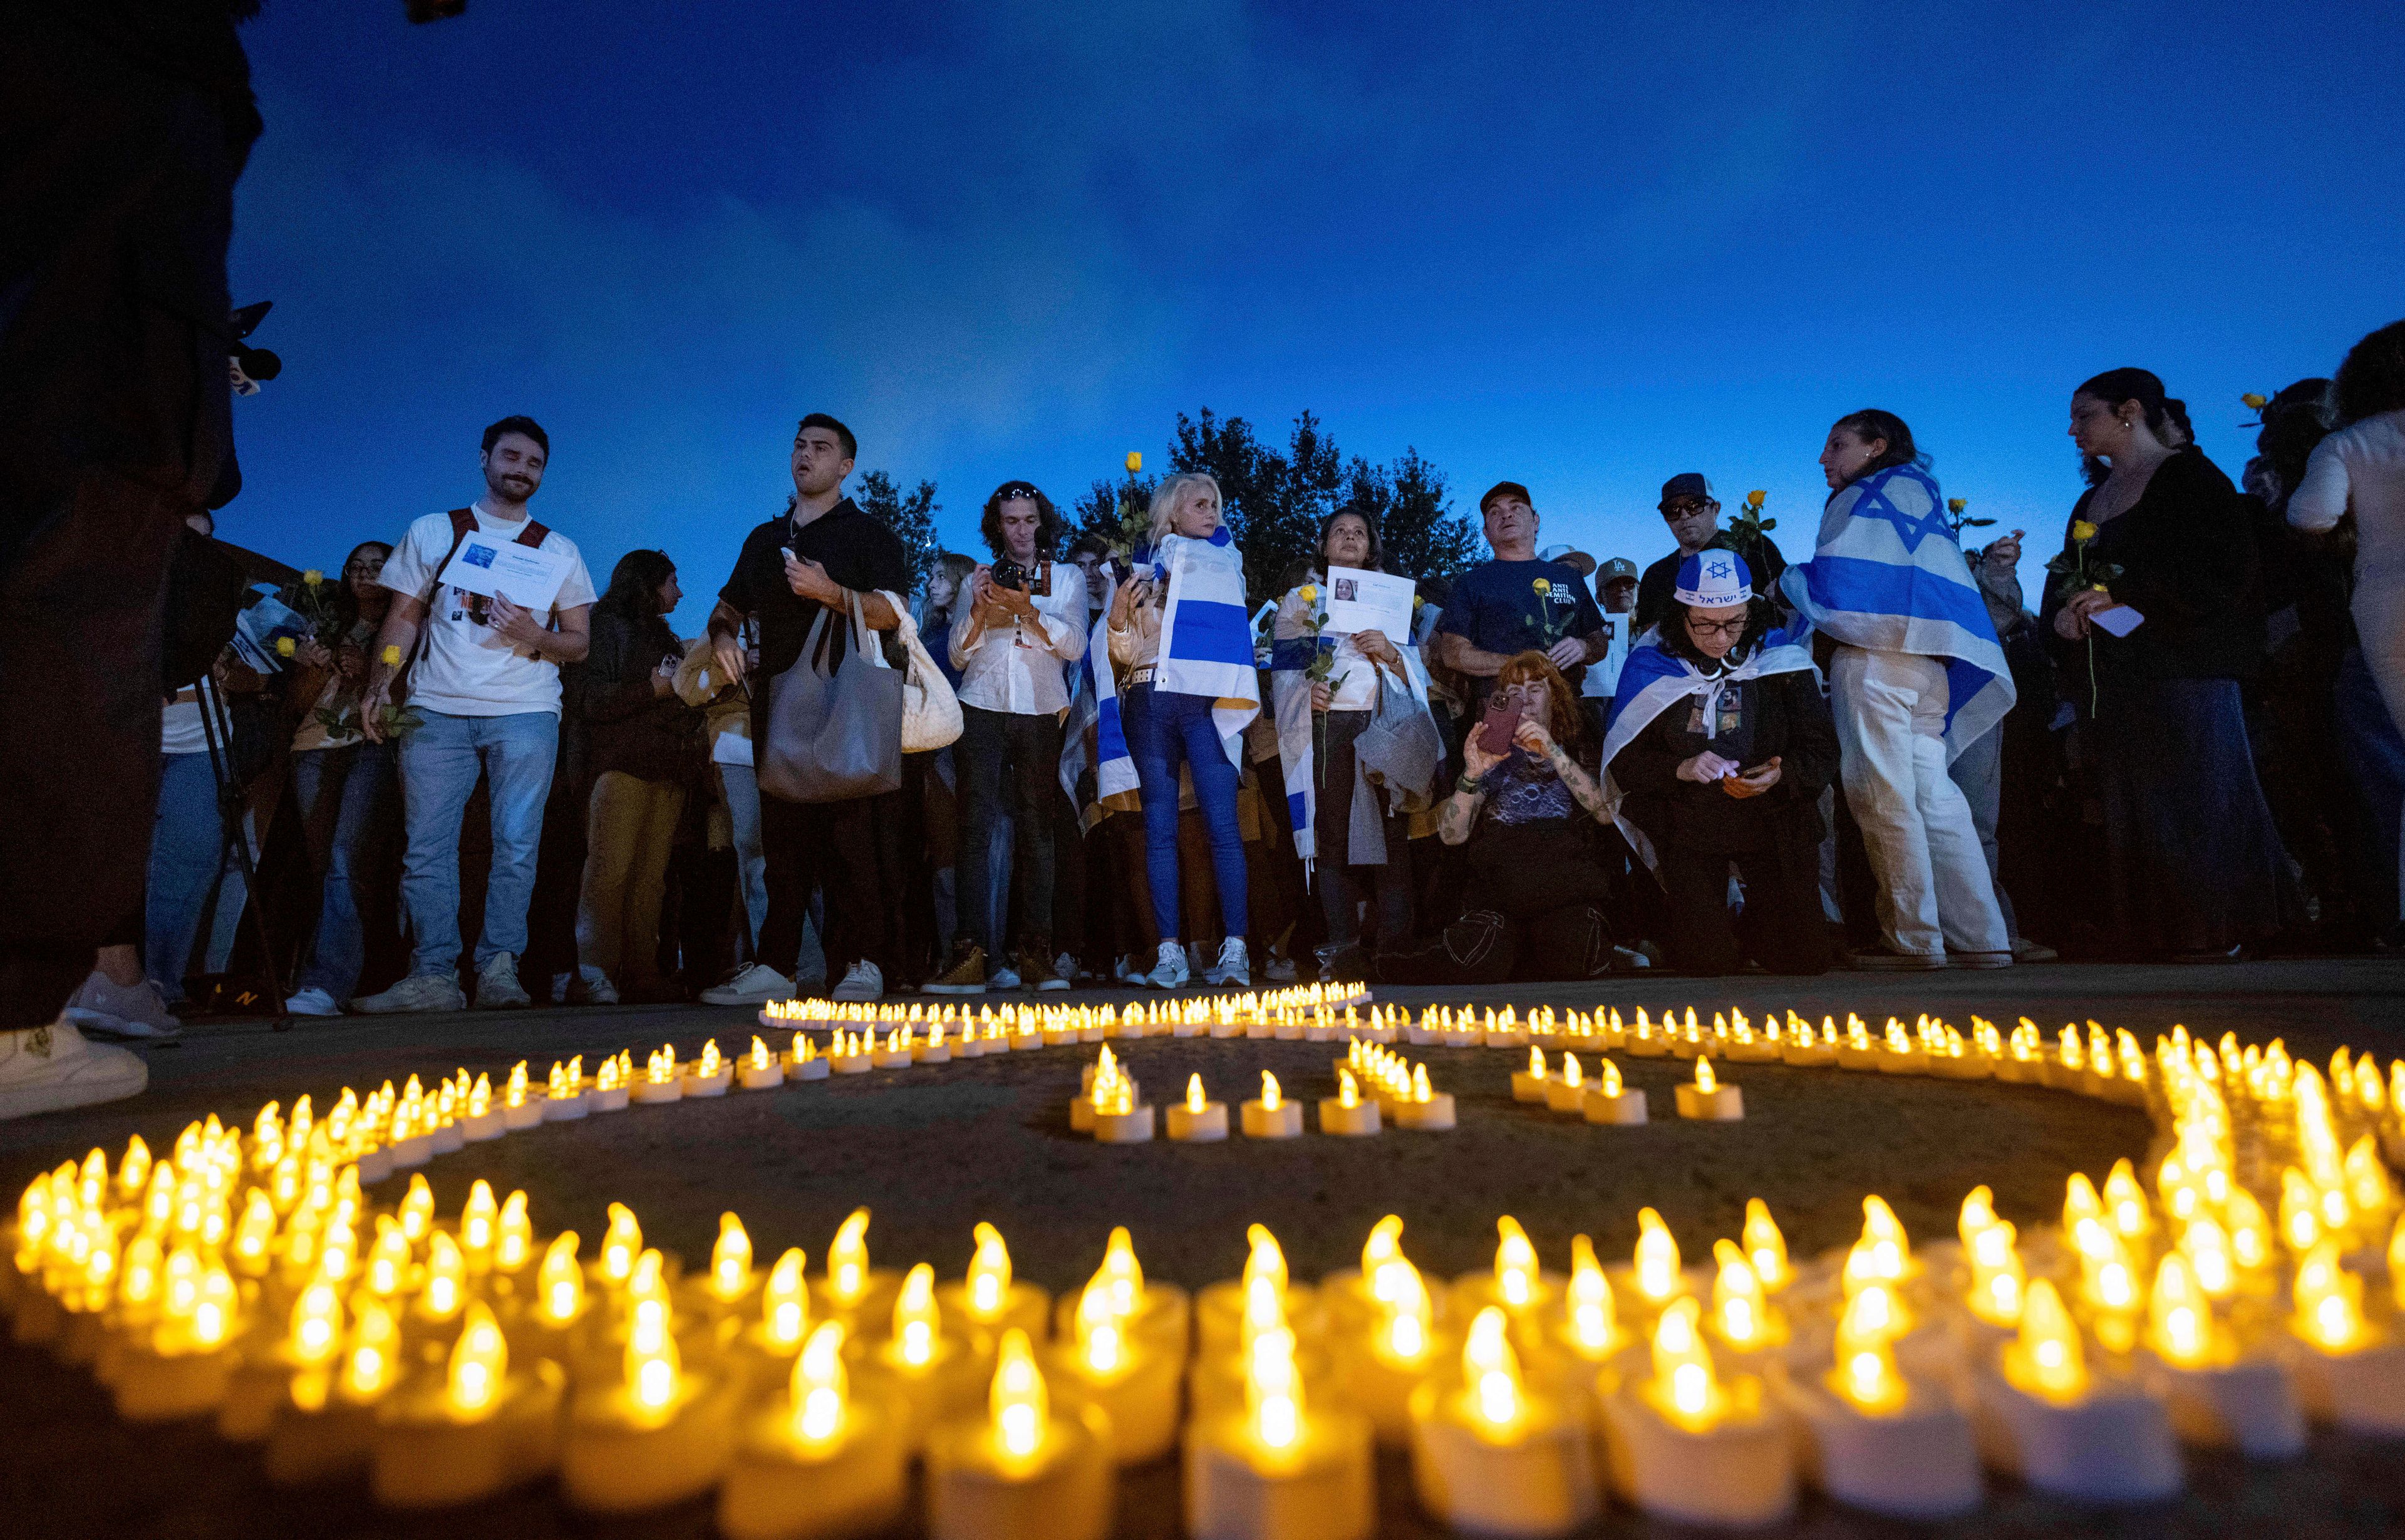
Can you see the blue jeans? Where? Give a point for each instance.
(438, 764)
(186, 844)
(741, 785)
(1163, 729)
(358, 779)
(2375, 752)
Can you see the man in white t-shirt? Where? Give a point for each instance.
(484, 686)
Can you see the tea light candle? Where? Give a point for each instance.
(660, 1437)
(1275, 1470)
(1877, 1441)
(1380, 1364)
(2346, 1372)
(987, 1299)
(521, 1108)
(934, 1377)
(661, 1081)
(932, 1048)
(183, 1365)
(1491, 1456)
(1515, 1283)
(1272, 1116)
(894, 1055)
(1159, 1312)
(761, 1071)
(1706, 1101)
(848, 1055)
(1197, 1120)
(1022, 1472)
(1125, 1124)
(852, 1291)
(2070, 1429)
(325, 1428)
(481, 1432)
(1428, 1111)
(820, 1461)
(612, 1086)
(1610, 1103)
(1685, 1445)
(805, 1062)
(707, 1075)
(1567, 1091)
(1345, 1112)
(1133, 1378)
(480, 1120)
(1528, 1085)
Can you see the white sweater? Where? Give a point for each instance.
(2361, 467)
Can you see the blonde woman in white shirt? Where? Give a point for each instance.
(1025, 626)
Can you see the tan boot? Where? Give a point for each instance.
(1035, 970)
(967, 975)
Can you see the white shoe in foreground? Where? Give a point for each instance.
(865, 981)
(45, 1069)
(1235, 966)
(417, 992)
(1171, 972)
(104, 1008)
(312, 1002)
(757, 985)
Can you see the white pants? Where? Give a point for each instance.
(1935, 892)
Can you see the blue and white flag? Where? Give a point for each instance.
(1886, 574)
(1293, 646)
(1652, 681)
(1206, 633)
(1095, 703)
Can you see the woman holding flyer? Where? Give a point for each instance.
(1351, 790)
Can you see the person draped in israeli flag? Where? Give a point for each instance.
(1917, 678)
(1361, 699)
(1657, 677)
(1182, 639)
(1092, 735)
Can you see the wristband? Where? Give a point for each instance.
(1468, 784)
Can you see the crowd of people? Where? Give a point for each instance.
(1063, 761)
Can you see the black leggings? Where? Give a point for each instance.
(1781, 927)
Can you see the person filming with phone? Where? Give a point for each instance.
(1718, 751)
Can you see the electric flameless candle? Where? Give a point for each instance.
(853, 1292)
(1023, 1471)
(325, 1427)
(1515, 1283)
(1278, 1468)
(479, 1432)
(661, 1434)
(661, 1081)
(804, 1061)
(183, 1366)
(988, 1299)
(1345, 1112)
(1609, 1101)
(2216, 1397)
(1743, 1319)
(1135, 1378)
(1427, 1109)
(1686, 1445)
(760, 1071)
(1567, 1091)
(819, 1461)
(934, 1375)
(1873, 1439)
(1272, 1116)
(1528, 1085)
(2067, 1427)
(2347, 1370)
(1654, 1277)
(1590, 1327)
(1159, 1312)
(1707, 1100)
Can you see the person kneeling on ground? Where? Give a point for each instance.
(1523, 814)
(1719, 749)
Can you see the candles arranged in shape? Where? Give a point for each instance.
(2221, 1300)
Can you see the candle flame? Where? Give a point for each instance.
(1593, 1317)
(1274, 1390)
(1705, 1081)
(988, 1277)
(1101, 1345)
(621, 1244)
(1657, 1258)
(652, 1370)
(1194, 1099)
(1738, 1308)
(559, 1282)
(1271, 1097)
(2179, 1318)
(513, 1234)
(820, 1389)
(2047, 1360)
(1348, 1091)
(317, 1325)
(1765, 1247)
(480, 1361)
(730, 1260)
(785, 1302)
(1492, 1372)
(447, 1275)
(417, 1209)
(1684, 1388)
(1570, 1075)
(1536, 1062)
(2328, 1300)
(1018, 1405)
(848, 1259)
(1866, 1374)
(1608, 1078)
(918, 1330)
(1121, 1275)
(371, 1362)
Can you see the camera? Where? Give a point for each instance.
(1006, 573)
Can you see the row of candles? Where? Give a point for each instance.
(2074, 1357)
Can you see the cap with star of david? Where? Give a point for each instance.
(1714, 580)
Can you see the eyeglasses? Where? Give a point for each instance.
(1716, 629)
(1686, 510)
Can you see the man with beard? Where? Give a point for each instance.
(486, 689)
(818, 556)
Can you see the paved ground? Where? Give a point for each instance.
(934, 1150)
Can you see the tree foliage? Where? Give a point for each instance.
(910, 515)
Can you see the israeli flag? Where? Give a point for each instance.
(1096, 704)
(1888, 575)
(1206, 633)
(1651, 681)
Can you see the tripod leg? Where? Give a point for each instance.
(217, 731)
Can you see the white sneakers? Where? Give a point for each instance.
(417, 992)
(1002, 977)
(865, 981)
(1171, 972)
(756, 985)
(497, 984)
(1234, 965)
(45, 1069)
(588, 985)
(105, 1008)
(312, 1002)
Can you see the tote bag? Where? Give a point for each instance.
(834, 735)
(931, 712)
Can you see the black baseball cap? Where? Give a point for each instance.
(1505, 489)
(1686, 483)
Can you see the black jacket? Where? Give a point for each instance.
(632, 730)
(1791, 720)
(2187, 550)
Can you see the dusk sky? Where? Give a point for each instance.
(1584, 247)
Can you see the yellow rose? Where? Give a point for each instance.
(1135, 461)
(1956, 505)
(2257, 402)
(1754, 500)
(285, 648)
(2082, 532)
(392, 657)
(1308, 593)
(1541, 586)
(313, 577)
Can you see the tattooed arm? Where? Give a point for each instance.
(1459, 813)
(1537, 740)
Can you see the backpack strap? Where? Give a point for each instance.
(533, 534)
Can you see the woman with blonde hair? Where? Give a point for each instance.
(1181, 641)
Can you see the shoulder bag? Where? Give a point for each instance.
(833, 735)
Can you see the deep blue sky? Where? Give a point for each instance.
(1581, 246)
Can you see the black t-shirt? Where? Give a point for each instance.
(1497, 608)
(857, 552)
